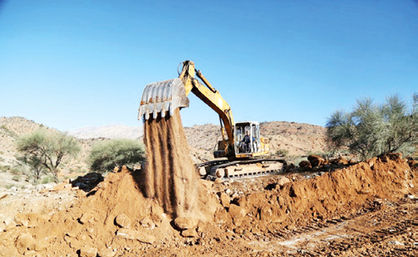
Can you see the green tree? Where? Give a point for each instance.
(116, 152)
(370, 130)
(44, 150)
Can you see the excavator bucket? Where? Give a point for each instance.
(162, 97)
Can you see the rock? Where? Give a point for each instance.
(339, 161)
(86, 217)
(73, 242)
(88, 251)
(123, 221)
(282, 181)
(395, 156)
(189, 233)
(372, 161)
(106, 252)
(316, 160)
(228, 191)
(21, 220)
(147, 223)
(3, 196)
(88, 181)
(25, 242)
(305, 165)
(135, 235)
(237, 214)
(183, 223)
(225, 200)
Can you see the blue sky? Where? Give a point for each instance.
(71, 64)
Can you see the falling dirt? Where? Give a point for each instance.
(170, 175)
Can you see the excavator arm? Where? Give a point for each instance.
(210, 96)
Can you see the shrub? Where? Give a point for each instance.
(48, 179)
(44, 150)
(370, 130)
(282, 152)
(117, 152)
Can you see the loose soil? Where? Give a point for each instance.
(368, 208)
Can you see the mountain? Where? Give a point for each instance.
(111, 131)
(295, 139)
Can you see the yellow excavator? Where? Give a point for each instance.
(243, 151)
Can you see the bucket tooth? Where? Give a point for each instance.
(162, 98)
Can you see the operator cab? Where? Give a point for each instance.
(247, 135)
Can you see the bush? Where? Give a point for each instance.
(370, 130)
(282, 152)
(117, 152)
(48, 179)
(44, 150)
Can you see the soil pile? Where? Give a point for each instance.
(170, 175)
(113, 216)
(331, 195)
(116, 219)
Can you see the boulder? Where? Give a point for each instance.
(282, 181)
(147, 223)
(87, 251)
(225, 200)
(106, 252)
(340, 161)
(123, 221)
(237, 214)
(189, 233)
(135, 235)
(86, 217)
(316, 160)
(88, 181)
(183, 223)
(305, 165)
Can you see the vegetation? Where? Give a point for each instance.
(117, 152)
(44, 150)
(370, 130)
(7, 131)
(282, 152)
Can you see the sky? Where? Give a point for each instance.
(73, 64)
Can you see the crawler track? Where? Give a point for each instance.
(224, 169)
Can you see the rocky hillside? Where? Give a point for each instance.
(293, 138)
(11, 128)
(290, 137)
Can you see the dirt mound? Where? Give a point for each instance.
(115, 214)
(170, 175)
(116, 219)
(333, 194)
